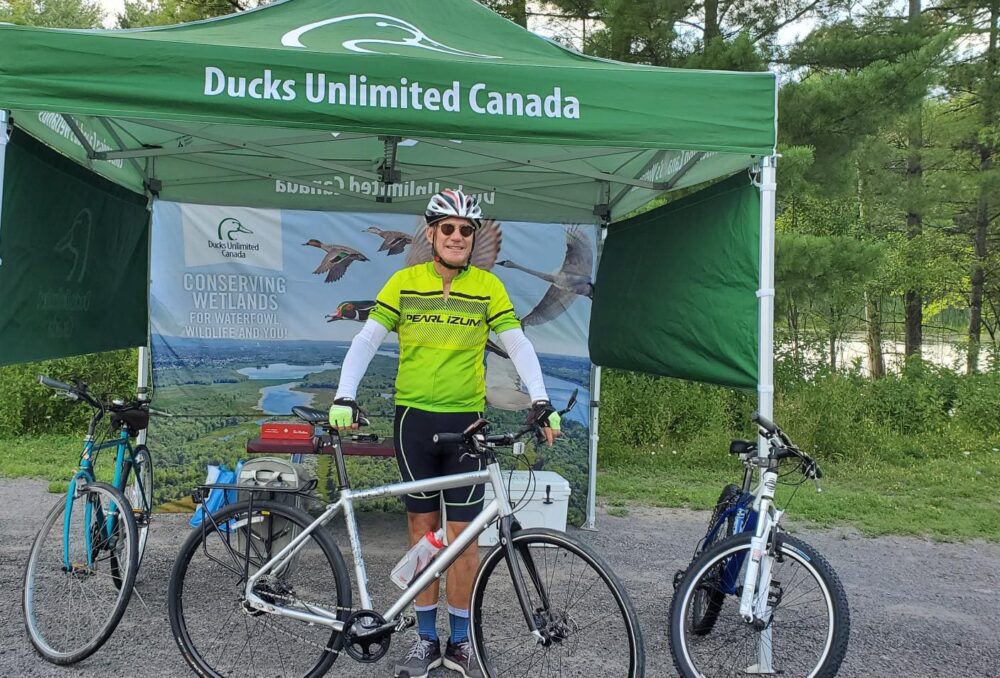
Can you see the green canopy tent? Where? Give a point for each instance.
(352, 105)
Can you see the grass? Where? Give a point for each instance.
(950, 496)
(945, 492)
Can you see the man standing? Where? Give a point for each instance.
(443, 311)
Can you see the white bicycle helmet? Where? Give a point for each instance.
(453, 203)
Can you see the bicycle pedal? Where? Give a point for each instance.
(405, 622)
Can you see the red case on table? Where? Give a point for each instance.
(279, 430)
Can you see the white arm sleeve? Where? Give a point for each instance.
(522, 354)
(361, 352)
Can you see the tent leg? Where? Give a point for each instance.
(595, 395)
(765, 355)
(142, 384)
(4, 118)
(595, 406)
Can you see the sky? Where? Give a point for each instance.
(111, 10)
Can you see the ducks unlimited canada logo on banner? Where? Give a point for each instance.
(255, 312)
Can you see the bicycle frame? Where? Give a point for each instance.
(498, 507)
(85, 475)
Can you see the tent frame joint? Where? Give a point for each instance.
(81, 137)
(387, 171)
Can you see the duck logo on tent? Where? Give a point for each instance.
(388, 26)
(229, 227)
(76, 244)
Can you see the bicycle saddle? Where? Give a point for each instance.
(136, 419)
(311, 414)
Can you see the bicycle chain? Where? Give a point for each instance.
(291, 599)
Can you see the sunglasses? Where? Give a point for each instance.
(465, 229)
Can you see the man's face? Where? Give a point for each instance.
(454, 248)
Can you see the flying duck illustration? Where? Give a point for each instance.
(489, 238)
(393, 241)
(504, 389)
(571, 280)
(352, 310)
(337, 259)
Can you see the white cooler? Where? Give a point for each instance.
(545, 505)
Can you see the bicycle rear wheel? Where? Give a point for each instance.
(805, 634)
(139, 490)
(577, 602)
(80, 574)
(706, 604)
(216, 631)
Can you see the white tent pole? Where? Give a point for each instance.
(3, 153)
(765, 355)
(595, 406)
(145, 363)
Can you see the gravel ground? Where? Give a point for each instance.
(918, 608)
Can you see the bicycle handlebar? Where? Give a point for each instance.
(52, 383)
(764, 422)
(783, 447)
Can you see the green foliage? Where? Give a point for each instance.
(914, 453)
(144, 13)
(27, 407)
(52, 13)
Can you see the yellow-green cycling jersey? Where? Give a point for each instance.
(441, 341)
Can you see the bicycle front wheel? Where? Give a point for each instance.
(139, 490)
(218, 633)
(80, 573)
(804, 632)
(578, 604)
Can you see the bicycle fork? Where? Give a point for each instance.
(755, 597)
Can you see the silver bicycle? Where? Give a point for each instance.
(262, 588)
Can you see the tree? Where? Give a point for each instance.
(143, 13)
(52, 13)
(975, 79)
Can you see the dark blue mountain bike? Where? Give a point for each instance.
(733, 514)
(83, 563)
(755, 600)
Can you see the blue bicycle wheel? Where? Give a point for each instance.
(80, 573)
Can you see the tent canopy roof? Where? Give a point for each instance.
(358, 105)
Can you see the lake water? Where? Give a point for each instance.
(281, 399)
(285, 371)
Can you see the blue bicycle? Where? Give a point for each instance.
(755, 600)
(84, 560)
(733, 514)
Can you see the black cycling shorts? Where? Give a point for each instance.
(419, 458)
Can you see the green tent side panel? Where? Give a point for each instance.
(73, 258)
(676, 289)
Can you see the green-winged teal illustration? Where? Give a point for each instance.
(337, 259)
(571, 280)
(489, 239)
(229, 227)
(352, 310)
(393, 242)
